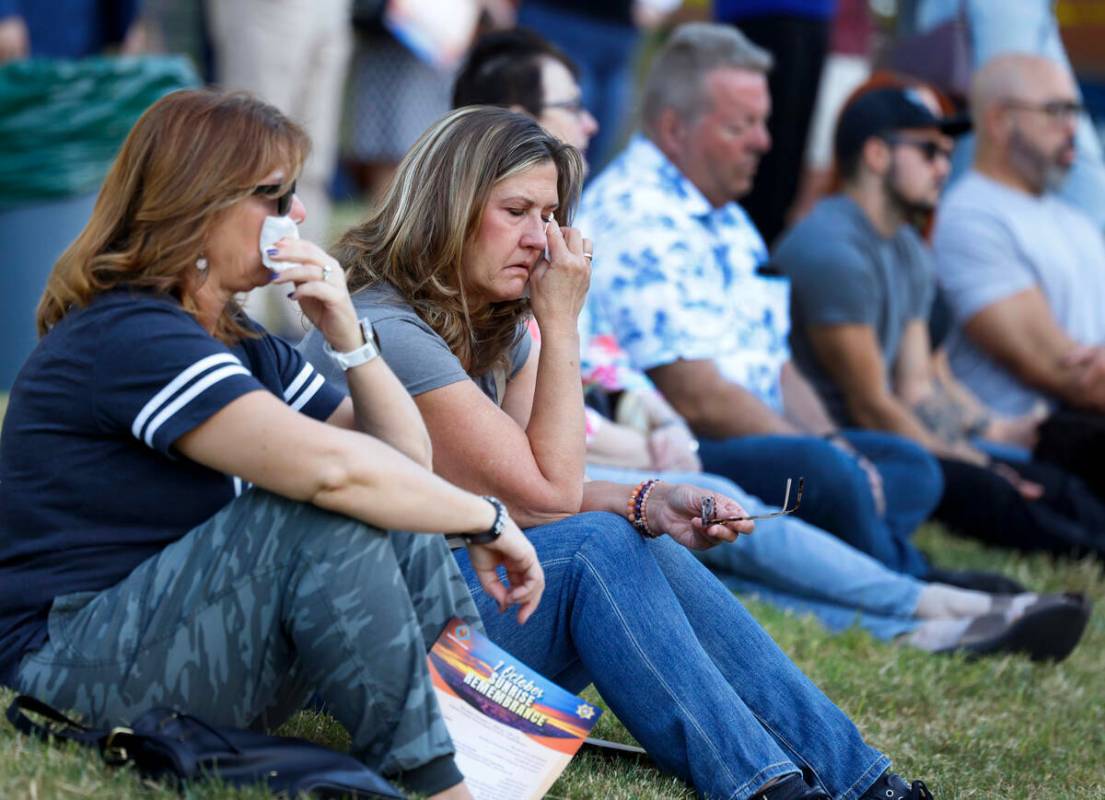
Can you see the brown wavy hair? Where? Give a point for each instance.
(191, 156)
(416, 238)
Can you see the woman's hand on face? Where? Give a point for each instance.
(318, 285)
(558, 286)
(676, 510)
(513, 551)
(674, 449)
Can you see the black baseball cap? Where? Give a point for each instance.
(883, 111)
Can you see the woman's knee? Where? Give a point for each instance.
(596, 536)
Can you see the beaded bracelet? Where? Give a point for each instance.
(636, 508)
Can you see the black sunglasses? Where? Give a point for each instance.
(708, 505)
(283, 201)
(929, 149)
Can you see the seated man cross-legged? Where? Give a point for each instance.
(1023, 269)
(862, 286)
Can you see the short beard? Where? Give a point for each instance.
(1041, 171)
(917, 213)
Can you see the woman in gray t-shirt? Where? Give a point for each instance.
(470, 226)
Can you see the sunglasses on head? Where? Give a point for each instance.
(272, 192)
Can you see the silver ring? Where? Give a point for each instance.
(326, 270)
(588, 256)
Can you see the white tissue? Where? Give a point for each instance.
(272, 231)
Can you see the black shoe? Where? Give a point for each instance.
(1048, 630)
(989, 582)
(791, 788)
(891, 787)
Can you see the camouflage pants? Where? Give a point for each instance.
(246, 616)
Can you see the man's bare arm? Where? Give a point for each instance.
(712, 405)
(852, 356)
(802, 405)
(1021, 334)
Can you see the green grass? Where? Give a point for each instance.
(996, 728)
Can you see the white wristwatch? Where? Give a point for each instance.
(362, 355)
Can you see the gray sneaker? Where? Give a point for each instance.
(1048, 630)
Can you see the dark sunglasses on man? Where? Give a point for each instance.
(929, 149)
(283, 201)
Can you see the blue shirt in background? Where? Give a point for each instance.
(736, 10)
(676, 278)
(72, 28)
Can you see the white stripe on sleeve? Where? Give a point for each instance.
(172, 387)
(300, 379)
(308, 393)
(186, 397)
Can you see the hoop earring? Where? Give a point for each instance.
(201, 263)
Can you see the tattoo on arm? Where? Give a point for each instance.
(944, 417)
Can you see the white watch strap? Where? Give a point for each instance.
(362, 355)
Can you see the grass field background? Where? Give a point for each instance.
(995, 728)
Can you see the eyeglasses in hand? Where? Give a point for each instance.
(708, 507)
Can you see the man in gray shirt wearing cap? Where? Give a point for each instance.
(862, 289)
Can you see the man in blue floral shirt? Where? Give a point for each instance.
(681, 274)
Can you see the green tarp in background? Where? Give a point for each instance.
(62, 122)
(61, 125)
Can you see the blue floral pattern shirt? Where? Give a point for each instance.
(676, 278)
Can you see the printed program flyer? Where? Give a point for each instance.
(514, 729)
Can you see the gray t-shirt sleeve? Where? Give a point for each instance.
(917, 260)
(412, 349)
(520, 354)
(978, 261)
(416, 354)
(832, 282)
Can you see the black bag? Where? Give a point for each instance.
(168, 744)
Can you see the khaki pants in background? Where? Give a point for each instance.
(294, 54)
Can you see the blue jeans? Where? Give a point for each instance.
(838, 496)
(797, 567)
(691, 674)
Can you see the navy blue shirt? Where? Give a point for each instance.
(72, 28)
(90, 486)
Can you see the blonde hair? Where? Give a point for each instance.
(415, 239)
(191, 156)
